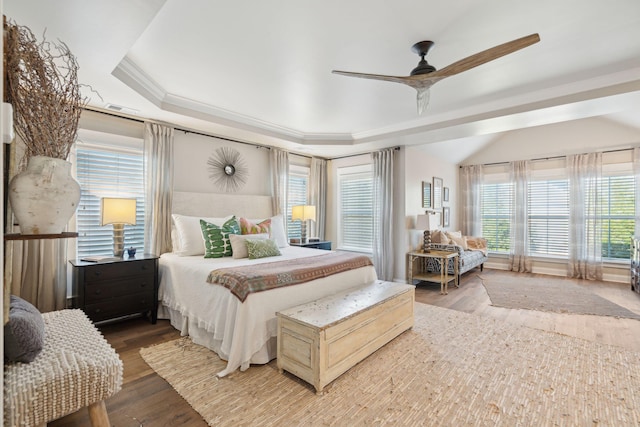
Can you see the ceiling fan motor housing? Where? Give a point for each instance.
(422, 48)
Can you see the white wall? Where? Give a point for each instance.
(191, 172)
(560, 139)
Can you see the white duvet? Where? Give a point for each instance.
(240, 333)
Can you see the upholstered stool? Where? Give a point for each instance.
(76, 368)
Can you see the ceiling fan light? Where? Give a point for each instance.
(423, 99)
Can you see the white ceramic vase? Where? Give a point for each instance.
(44, 196)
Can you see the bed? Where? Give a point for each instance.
(241, 333)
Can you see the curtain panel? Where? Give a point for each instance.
(383, 251)
(585, 217)
(158, 168)
(318, 194)
(519, 259)
(471, 200)
(636, 175)
(279, 181)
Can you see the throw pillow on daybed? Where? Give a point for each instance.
(239, 243)
(438, 236)
(216, 238)
(262, 248)
(24, 333)
(457, 238)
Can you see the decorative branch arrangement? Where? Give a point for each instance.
(42, 83)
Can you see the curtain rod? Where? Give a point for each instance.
(139, 120)
(552, 158)
(186, 131)
(361, 154)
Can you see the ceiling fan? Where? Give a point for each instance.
(425, 75)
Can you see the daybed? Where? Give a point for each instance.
(472, 251)
(239, 332)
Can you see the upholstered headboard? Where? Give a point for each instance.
(220, 205)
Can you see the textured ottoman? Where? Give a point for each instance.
(76, 368)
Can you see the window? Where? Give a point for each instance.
(355, 200)
(298, 190)
(107, 172)
(618, 215)
(549, 217)
(496, 212)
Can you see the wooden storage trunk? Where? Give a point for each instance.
(321, 340)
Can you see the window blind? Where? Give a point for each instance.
(496, 212)
(356, 210)
(104, 173)
(298, 190)
(549, 217)
(618, 215)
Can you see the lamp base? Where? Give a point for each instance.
(118, 240)
(426, 241)
(303, 231)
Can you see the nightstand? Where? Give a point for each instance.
(116, 288)
(326, 245)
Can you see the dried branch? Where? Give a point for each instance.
(42, 80)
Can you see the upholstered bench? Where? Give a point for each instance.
(77, 368)
(321, 340)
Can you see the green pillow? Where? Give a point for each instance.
(262, 248)
(216, 238)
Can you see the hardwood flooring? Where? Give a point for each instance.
(147, 400)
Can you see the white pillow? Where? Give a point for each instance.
(277, 231)
(189, 233)
(239, 244)
(457, 239)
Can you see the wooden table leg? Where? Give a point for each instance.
(98, 415)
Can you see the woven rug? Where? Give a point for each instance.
(553, 294)
(451, 369)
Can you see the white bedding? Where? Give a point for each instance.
(241, 333)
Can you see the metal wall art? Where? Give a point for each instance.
(227, 169)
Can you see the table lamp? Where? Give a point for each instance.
(118, 211)
(427, 223)
(303, 213)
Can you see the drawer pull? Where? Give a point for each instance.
(98, 273)
(98, 310)
(98, 291)
(143, 284)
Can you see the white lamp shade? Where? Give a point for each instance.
(303, 213)
(118, 211)
(426, 222)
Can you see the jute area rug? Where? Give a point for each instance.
(451, 369)
(549, 294)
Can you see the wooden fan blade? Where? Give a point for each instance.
(486, 56)
(395, 79)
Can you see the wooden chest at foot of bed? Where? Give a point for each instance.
(321, 340)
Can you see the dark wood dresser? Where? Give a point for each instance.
(116, 288)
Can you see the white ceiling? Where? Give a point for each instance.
(261, 71)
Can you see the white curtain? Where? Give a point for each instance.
(318, 194)
(519, 259)
(158, 165)
(585, 220)
(383, 251)
(471, 200)
(279, 181)
(636, 174)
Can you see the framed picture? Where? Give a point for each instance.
(445, 217)
(437, 193)
(445, 194)
(426, 195)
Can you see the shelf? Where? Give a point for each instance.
(18, 236)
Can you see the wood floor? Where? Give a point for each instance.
(147, 400)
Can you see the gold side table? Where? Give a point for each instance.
(443, 276)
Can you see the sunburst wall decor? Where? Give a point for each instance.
(227, 169)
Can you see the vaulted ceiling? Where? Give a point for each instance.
(261, 71)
